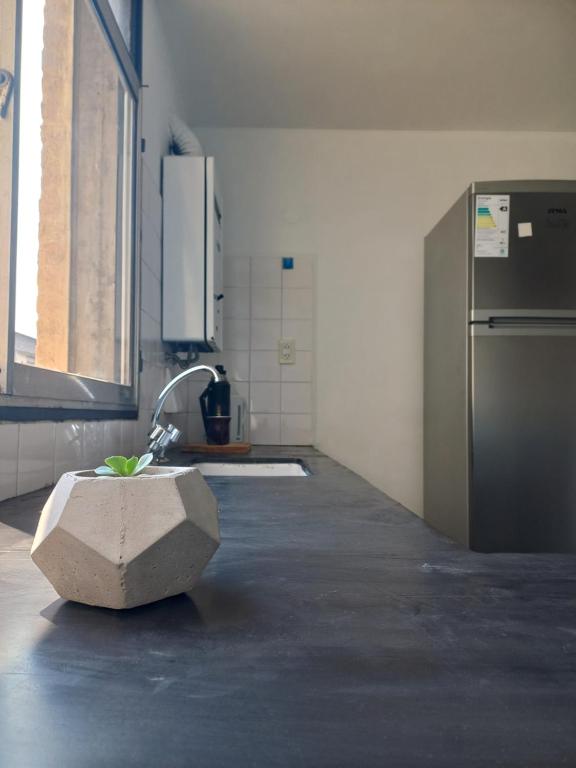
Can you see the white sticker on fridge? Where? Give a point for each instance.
(525, 229)
(491, 226)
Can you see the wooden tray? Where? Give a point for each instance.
(229, 449)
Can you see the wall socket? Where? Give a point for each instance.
(286, 351)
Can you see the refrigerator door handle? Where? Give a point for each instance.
(502, 326)
(522, 322)
(496, 321)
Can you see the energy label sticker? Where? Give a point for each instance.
(491, 229)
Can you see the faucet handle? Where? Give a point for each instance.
(156, 432)
(174, 433)
(160, 438)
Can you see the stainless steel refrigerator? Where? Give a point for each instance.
(500, 368)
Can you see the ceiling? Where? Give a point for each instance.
(376, 64)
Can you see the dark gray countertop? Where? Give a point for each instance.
(332, 628)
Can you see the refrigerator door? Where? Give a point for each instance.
(539, 271)
(523, 438)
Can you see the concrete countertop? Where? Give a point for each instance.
(332, 628)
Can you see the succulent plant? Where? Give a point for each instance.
(121, 466)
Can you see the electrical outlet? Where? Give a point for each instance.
(286, 351)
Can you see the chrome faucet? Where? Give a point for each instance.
(161, 438)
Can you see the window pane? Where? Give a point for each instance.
(122, 10)
(73, 302)
(29, 182)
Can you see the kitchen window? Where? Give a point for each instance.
(68, 247)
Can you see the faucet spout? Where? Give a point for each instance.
(162, 437)
(171, 386)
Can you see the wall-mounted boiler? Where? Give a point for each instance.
(192, 269)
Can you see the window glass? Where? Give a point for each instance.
(122, 10)
(75, 197)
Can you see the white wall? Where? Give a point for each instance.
(34, 455)
(362, 202)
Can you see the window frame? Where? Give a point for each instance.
(28, 393)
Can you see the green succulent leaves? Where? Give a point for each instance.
(120, 466)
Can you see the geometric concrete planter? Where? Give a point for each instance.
(119, 542)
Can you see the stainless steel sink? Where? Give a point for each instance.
(253, 468)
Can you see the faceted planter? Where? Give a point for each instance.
(119, 542)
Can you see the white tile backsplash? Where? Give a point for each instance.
(213, 359)
(302, 331)
(195, 429)
(266, 303)
(265, 397)
(237, 334)
(112, 438)
(296, 398)
(35, 456)
(265, 428)
(152, 380)
(149, 332)
(264, 366)
(236, 304)
(236, 271)
(296, 429)
(297, 304)
(264, 334)
(302, 274)
(241, 388)
(141, 431)
(150, 293)
(237, 364)
(9, 434)
(93, 442)
(151, 199)
(127, 431)
(68, 448)
(278, 304)
(180, 421)
(195, 388)
(151, 247)
(300, 370)
(266, 272)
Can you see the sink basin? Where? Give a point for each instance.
(294, 468)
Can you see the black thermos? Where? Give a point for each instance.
(215, 406)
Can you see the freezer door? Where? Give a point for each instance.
(523, 441)
(540, 269)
